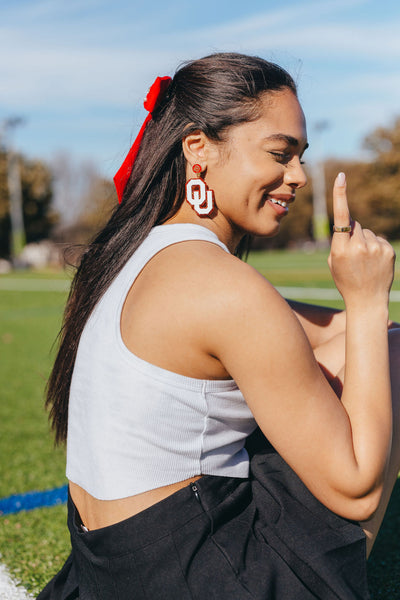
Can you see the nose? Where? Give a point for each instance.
(295, 175)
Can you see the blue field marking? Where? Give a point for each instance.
(30, 500)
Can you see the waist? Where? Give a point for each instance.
(96, 514)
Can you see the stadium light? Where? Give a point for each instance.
(18, 237)
(320, 215)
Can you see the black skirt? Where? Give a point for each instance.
(262, 538)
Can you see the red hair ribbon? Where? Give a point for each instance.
(152, 100)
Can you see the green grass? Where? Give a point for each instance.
(35, 544)
(29, 323)
(301, 269)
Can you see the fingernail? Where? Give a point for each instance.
(341, 179)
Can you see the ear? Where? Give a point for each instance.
(195, 148)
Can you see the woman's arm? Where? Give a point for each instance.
(338, 448)
(320, 323)
(325, 329)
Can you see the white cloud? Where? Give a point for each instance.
(65, 66)
(268, 22)
(308, 32)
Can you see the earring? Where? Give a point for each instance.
(200, 198)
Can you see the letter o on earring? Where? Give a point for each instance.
(196, 169)
(199, 197)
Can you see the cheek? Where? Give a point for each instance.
(262, 171)
(244, 178)
(223, 181)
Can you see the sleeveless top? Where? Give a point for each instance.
(133, 426)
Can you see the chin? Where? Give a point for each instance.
(268, 232)
(260, 229)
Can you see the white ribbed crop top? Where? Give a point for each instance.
(133, 426)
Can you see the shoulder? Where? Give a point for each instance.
(208, 292)
(210, 271)
(208, 285)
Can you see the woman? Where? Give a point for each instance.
(173, 351)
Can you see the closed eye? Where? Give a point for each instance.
(282, 157)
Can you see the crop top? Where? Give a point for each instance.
(133, 426)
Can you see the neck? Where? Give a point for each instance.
(217, 224)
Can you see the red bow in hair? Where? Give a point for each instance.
(152, 100)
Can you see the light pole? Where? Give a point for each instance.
(320, 214)
(18, 238)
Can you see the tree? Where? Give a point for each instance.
(36, 183)
(374, 186)
(383, 192)
(97, 200)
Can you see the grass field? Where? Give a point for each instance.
(35, 544)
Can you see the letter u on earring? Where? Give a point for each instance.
(200, 198)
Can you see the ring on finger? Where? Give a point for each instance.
(345, 229)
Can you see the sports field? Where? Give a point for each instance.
(35, 543)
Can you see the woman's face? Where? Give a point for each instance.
(255, 173)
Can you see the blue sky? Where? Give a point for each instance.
(77, 70)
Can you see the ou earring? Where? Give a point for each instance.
(200, 198)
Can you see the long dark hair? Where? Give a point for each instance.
(211, 95)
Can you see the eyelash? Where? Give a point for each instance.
(282, 157)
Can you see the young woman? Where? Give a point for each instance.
(208, 454)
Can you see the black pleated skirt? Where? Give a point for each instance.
(262, 538)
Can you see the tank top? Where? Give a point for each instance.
(134, 426)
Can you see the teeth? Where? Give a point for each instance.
(280, 202)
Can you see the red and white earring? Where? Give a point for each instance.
(200, 198)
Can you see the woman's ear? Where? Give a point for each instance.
(195, 146)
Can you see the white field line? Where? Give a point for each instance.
(310, 293)
(321, 293)
(60, 285)
(8, 589)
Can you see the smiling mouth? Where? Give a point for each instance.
(280, 202)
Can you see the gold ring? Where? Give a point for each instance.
(345, 229)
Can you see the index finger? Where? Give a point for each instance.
(341, 213)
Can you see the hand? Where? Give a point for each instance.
(361, 263)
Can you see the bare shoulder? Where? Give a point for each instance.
(190, 298)
(208, 276)
(201, 278)
(210, 267)
(195, 295)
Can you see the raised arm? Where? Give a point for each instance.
(338, 448)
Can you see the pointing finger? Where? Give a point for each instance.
(341, 213)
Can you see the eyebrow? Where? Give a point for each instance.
(285, 138)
